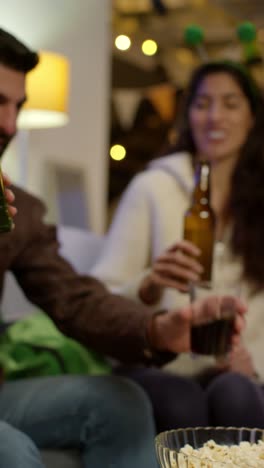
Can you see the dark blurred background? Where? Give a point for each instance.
(147, 89)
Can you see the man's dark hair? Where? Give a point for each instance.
(14, 54)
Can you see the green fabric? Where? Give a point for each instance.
(34, 347)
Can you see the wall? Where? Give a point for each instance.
(82, 144)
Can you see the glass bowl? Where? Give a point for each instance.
(168, 445)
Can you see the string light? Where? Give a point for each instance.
(149, 47)
(122, 42)
(118, 152)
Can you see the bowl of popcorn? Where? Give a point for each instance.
(211, 447)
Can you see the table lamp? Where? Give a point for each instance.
(47, 87)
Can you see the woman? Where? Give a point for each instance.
(223, 122)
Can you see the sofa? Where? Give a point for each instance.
(80, 248)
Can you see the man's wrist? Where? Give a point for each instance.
(154, 331)
(155, 351)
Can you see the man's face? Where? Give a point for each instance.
(12, 97)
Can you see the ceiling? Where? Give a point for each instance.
(166, 20)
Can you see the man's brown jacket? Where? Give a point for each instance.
(80, 306)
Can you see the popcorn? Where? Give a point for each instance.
(213, 455)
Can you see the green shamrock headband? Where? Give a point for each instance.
(246, 33)
(194, 38)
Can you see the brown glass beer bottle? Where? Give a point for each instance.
(199, 221)
(6, 222)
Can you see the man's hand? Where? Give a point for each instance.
(9, 195)
(172, 331)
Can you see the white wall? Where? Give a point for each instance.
(83, 142)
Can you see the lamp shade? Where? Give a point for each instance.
(47, 88)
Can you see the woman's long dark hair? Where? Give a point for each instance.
(246, 202)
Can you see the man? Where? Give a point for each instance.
(107, 418)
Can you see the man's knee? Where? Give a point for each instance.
(9, 436)
(121, 407)
(127, 398)
(15, 446)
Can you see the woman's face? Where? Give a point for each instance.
(220, 117)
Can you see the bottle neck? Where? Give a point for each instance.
(201, 194)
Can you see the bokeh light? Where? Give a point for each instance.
(118, 152)
(149, 47)
(122, 42)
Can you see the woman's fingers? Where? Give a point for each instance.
(177, 266)
(187, 247)
(167, 282)
(181, 259)
(185, 254)
(177, 269)
(215, 307)
(175, 272)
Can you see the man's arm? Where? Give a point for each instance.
(80, 305)
(83, 308)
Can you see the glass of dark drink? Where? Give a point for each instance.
(214, 338)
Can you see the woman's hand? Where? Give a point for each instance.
(9, 195)
(174, 269)
(239, 360)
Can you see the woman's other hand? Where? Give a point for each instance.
(172, 331)
(239, 360)
(175, 268)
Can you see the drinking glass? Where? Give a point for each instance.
(214, 337)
